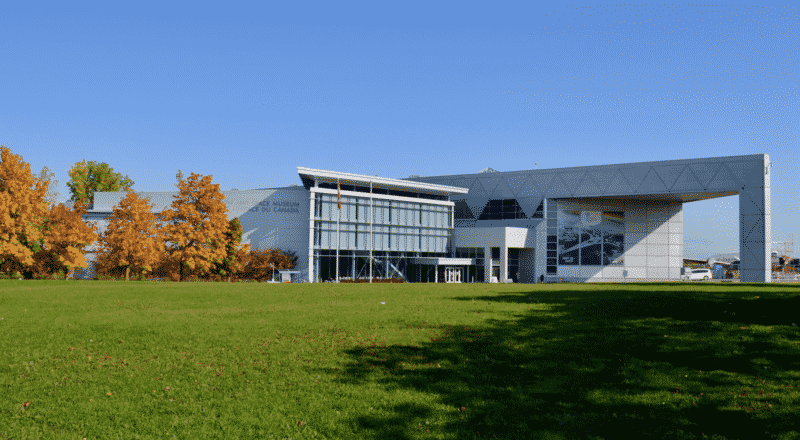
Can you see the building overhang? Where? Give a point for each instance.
(665, 197)
(436, 261)
(308, 175)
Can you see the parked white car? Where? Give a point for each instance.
(698, 274)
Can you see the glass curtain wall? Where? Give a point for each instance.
(474, 274)
(401, 230)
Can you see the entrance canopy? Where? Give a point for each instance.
(433, 261)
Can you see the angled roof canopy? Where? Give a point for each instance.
(682, 180)
(308, 175)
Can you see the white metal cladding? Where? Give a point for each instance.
(660, 181)
(649, 229)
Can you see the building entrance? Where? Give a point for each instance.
(452, 274)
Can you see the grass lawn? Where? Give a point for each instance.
(93, 359)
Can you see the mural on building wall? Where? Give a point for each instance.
(613, 238)
(568, 237)
(590, 238)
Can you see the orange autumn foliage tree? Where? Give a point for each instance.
(195, 228)
(66, 236)
(260, 264)
(23, 211)
(132, 239)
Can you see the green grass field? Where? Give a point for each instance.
(107, 360)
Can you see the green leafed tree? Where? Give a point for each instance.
(86, 178)
(233, 239)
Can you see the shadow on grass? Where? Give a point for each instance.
(596, 364)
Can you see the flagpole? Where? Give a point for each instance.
(371, 239)
(338, 218)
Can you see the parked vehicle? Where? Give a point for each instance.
(698, 274)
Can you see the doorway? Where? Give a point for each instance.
(452, 274)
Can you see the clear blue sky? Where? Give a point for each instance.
(248, 92)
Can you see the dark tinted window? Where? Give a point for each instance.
(365, 189)
(506, 209)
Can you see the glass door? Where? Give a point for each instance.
(452, 274)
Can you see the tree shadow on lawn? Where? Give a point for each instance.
(592, 367)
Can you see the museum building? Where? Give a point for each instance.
(596, 223)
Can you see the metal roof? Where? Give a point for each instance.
(308, 174)
(237, 201)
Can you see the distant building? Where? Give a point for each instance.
(592, 223)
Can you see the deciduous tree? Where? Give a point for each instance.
(66, 236)
(230, 265)
(196, 225)
(260, 264)
(132, 239)
(86, 178)
(23, 211)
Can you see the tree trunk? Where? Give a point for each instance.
(127, 271)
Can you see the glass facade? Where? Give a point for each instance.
(355, 265)
(507, 209)
(551, 207)
(475, 273)
(366, 189)
(400, 230)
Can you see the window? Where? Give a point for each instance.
(506, 209)
(318, 206)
